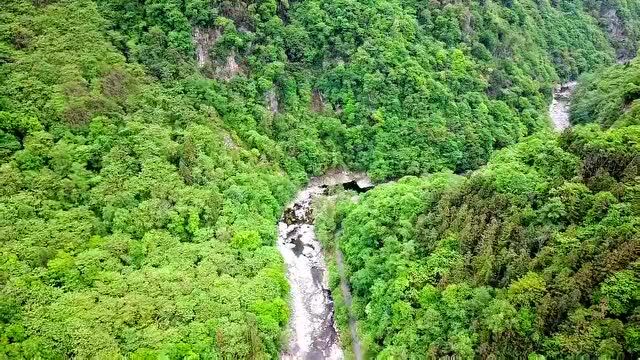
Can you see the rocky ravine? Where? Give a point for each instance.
(559, 109)
(312, 330)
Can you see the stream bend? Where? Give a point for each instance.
(312, 330)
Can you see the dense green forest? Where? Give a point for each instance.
(371, 84)
(147, 149)
(534, 255)
(132, 223)
(609, 97)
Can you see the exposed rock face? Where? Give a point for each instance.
(223, 69)
(229, 68)
(614, 24)
(339, 176)
(271, 100)
(559, 109)
(317, 101)
(617, 33)
(227, 140)
(312, 331)
(204, 39)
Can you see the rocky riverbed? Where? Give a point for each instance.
(312, 330)
(559, 108)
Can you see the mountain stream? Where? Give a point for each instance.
(312, 330)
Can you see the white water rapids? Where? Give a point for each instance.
(559, 108)
(312, 330)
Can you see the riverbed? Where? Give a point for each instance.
(312, 330)
(559, 108)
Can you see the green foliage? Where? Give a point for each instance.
(132, 225)
(393, 87)
(621, 291)
(139, 192)
(534, 255)
(603, 96)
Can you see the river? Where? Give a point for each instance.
(312, 331)
(559, 108)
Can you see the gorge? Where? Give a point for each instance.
(149, 148)
(312, 329)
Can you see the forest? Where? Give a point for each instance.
(535, 255)
(148, 148)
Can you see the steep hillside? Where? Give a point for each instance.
(609, 97)
(392, 87)
(534, 255)
(131, 222)
(147, 149)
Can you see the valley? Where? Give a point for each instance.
(169, 185)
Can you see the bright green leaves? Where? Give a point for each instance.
(621, 292)
(246, 240)
(18, 125)
(62, 271)
(35, 152)
(542, 238)
(608, 98)
(131, 222)
(528, 290)
(443, 260)
(137, 218)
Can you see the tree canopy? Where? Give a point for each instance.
(533, 255)
(147, 149)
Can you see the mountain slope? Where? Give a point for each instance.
(393, 87)
(534, 255)
(131, 222)
(139, 191)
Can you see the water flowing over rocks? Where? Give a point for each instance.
(559, 109)
(312, 330)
